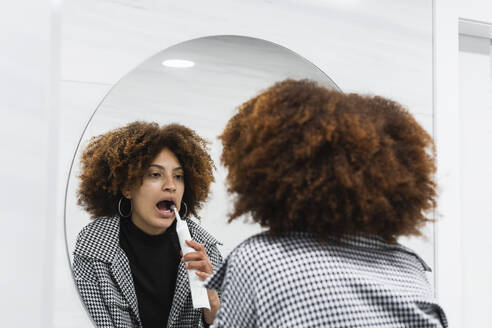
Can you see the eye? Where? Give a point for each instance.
(179, 177)
(155, 174)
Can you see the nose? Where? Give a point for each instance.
(169, 185)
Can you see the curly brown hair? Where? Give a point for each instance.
(118, 159)
(301, 157)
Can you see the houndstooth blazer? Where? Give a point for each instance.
(102, 274)
(294, 281)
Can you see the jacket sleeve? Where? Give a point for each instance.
(234, 279)
(87, 284)
(216, 260)
(215, 257)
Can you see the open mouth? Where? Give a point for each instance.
(164, 207)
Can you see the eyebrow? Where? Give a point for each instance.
(179, 168)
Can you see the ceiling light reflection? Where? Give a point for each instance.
(178, 63)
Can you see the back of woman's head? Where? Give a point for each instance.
(302, 157)
(119, 158)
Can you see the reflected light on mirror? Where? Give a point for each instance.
(178, 63)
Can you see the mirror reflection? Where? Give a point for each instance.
(140, 176)
(227, 71)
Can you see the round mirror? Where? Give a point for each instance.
(197, 83)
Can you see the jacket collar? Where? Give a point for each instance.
(366, 241)
(100, 238)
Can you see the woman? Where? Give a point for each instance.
(127, 263)
(336, 178)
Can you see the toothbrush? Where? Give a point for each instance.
(199, 293)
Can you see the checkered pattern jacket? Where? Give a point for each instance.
(294, 281)
(104, 280)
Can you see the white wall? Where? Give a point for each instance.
(476, 179)
(28, 135)
(478, 10)
(451, 253)
(449, 285)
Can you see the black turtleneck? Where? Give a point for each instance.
(154, 262)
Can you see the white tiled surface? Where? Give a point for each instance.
(384, 47)
(28, 161)
(78, 101)
(476, 179)
(477, 10)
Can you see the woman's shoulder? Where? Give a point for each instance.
(99, 227)
(262, 246)
(255, 255)
(265, 241)
(98, 239)
(241, 262)
(377, 247)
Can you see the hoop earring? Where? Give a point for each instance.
(186, 209)
(121, 212)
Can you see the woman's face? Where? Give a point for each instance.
(162, 186)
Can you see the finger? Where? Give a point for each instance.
(202, 275)
(195, 245)
(197, 265)
(202, 266)
(194, 256)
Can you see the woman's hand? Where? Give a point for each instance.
(200, 262)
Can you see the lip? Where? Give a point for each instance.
(165, 214)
